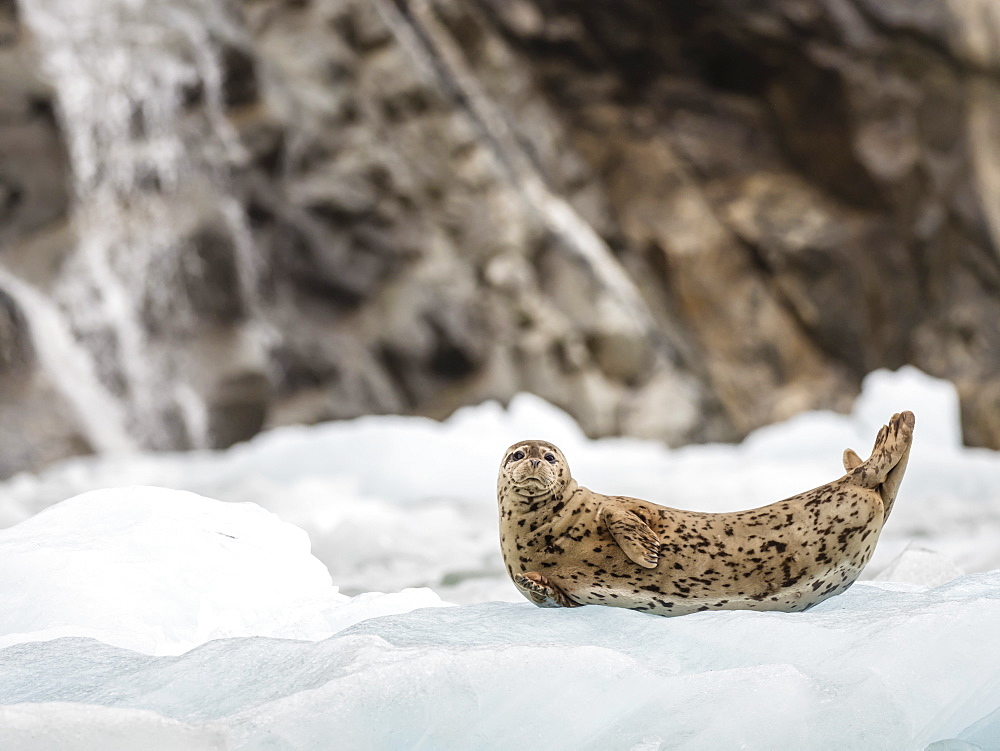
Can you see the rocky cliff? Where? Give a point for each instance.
(675, 220)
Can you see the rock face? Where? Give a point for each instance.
(675, 220)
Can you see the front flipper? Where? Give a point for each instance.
(542, 592)
(633, 536)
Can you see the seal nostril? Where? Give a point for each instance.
(535, 462)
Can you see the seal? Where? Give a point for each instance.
(566, 546)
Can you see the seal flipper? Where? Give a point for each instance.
(890, 486)
(542, 592)
(884, 469)
(851, 460)
(633, 536)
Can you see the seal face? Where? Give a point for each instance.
(565, 546)
(537, 470)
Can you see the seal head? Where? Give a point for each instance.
(533, 471)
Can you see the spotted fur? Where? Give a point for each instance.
(566, 546)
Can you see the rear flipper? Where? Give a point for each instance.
(542, 592)
(884, 469)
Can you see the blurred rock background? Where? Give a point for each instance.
(674, 220)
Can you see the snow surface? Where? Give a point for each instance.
(162, 571)
(142, 617)
(880, 667)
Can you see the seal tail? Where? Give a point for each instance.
(884, 469)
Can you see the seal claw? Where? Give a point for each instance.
(541, 592)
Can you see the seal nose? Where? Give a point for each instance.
(535, 463)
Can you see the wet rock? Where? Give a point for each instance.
(16, 350)
(798, 176)
(794, 194)
(238, 409)
(34, 166)
(239, 75)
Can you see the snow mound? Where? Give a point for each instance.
(882, 666)
(917, 565)
(80, 727)
(161, 571)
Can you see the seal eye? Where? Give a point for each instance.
(517, 456)
(550, 458)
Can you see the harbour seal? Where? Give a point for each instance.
(566, 546)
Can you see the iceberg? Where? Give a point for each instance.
(882, 666)
(162, 618)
